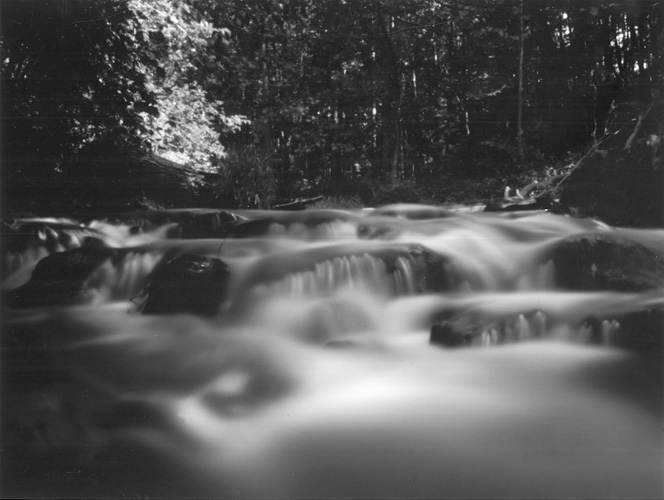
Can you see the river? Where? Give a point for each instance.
(317, 377)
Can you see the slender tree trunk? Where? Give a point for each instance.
(391, 106)
(519, 120)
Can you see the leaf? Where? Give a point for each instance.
(143, 107)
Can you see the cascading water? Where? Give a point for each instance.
(403, 352)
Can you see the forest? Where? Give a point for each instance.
(112, 105)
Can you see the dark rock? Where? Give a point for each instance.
(594, 326)
(452, 329)
(384, 231)
(540, 203)
(432, 272)
(17, 236)
(252, 229)
(412, 212)
(62, 278)
(623, 188)
(446, 334)
(641, 331)
(595, 262)
(204, 224)
(187, 284)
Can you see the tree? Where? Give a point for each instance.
(185, 122)
(70, 76)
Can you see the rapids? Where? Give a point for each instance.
(317, 377)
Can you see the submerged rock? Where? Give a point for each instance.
(62, 278)
(447, 334)
(204, 224)
(467, 329)
(598, 262)
(187, 284)
(639, 331)
(412, 212)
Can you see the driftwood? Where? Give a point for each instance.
(298, 204)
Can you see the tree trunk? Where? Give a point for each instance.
(519, 120)
(390, 151)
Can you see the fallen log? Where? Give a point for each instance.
(298, 203)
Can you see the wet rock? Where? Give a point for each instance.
(447, 334)
(412, 212)
(17, 236)
(432, 272)
(468, 329)
(596, 262)
(252, 229)
(623, 188)
(592, 326)
(641, 331)
(518, 206)
(187, 284)
(204, 224)
(62, 278)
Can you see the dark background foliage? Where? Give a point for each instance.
(259, 101)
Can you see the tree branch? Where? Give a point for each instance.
(639, 124)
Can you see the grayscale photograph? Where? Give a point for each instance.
(333, 249)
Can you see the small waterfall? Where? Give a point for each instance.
(125, 279)
(354, 272)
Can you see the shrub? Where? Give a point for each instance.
(375, 193)
(246, 179)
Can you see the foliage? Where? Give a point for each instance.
(405, 89)
(246, 179)
(338, 202)
(70, 76)
(185, 122)
(309, 96)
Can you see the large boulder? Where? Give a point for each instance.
(187, 284)
(62, 278)
(600, 262)
(622, 186)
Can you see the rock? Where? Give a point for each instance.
(446, 334)
(187, 284)
(623, 189)
(470, 329)
(412, 212)
(596, 262)
(641, 331)
(252, 229)
(18, 235)
(62, 278)
(204, 224)
(542, 202)
(431, 271)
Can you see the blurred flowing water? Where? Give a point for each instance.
(317, 377)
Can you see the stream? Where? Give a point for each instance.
(403, 352)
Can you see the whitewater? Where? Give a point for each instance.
(318, 375)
